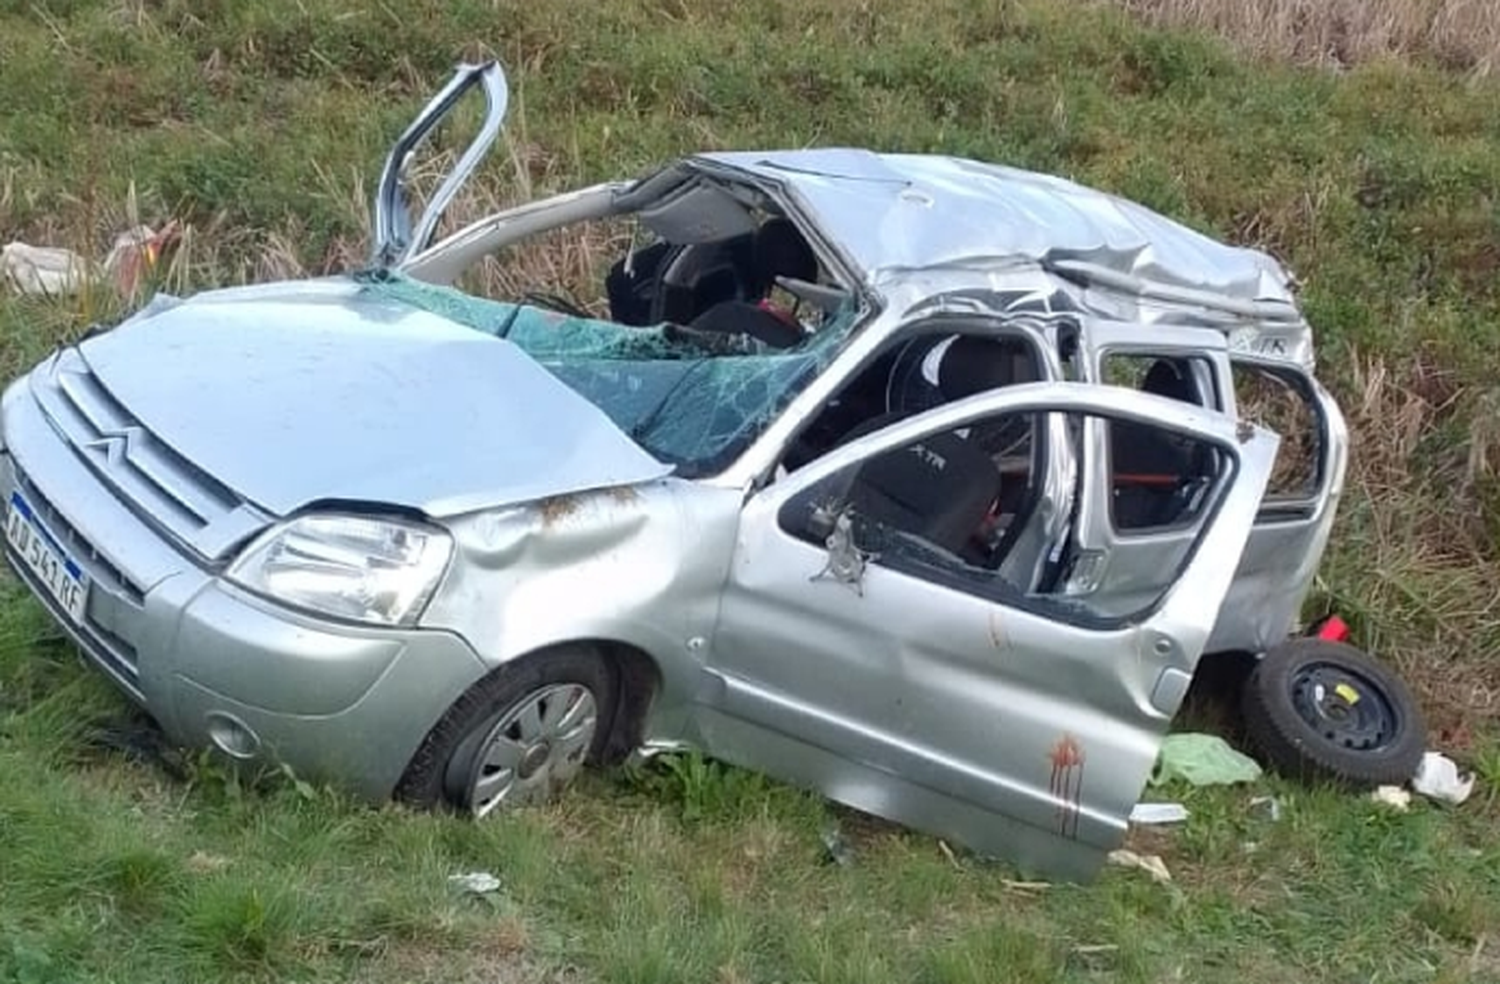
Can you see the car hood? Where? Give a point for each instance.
(291, 394)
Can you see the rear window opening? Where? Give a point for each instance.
(1186, 378)
(1277, 400)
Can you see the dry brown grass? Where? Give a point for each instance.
(1413, 530)
(1457, 34)
(571, 261)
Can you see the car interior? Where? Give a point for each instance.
(971, 494)
(723, 262)
(715, 287)
(712, 261)
(712, 312)
(1156, 474)
(728, 273)
(967, 492)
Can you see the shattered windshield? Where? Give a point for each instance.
(685, 404)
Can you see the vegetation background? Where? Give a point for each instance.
(1359, 140)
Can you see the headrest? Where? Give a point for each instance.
(1166, 378)
(973, 364)
(781, 251)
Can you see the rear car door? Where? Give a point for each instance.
(881, 655)
(1142, 488)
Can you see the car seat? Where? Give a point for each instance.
(946, 496)
(778, 250)
(1151, 467)
(974, 364)
(674, 283)
(940, 489)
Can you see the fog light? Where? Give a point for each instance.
(232, 736)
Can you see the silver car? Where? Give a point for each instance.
(915, 480)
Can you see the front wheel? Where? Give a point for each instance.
(518, 736)
(1319, 709)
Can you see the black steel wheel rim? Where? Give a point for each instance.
(1345, 707)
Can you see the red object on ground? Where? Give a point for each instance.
(1333, 629)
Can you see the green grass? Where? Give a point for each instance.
(686, 873)
(261, 124)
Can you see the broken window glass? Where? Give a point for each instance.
(685, 399)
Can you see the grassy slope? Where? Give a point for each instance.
(1460, 35)
(260, 124)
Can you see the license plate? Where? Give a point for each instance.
(45, 557)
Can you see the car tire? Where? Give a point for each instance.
(1323, 710)
(519, 735)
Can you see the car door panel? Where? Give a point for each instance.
(1118, 568)
(395, 238)
(1287, 544)
(931, 705)
(947, 645)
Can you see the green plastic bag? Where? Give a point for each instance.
(1202, 760)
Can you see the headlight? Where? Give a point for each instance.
(369, 570)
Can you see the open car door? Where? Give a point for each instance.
(1141, 486)
(395, 238)
(871, 650)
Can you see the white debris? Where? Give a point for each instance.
(1392, 796)
(1272, 806)
(43, 269)
(1149, 863)
(475, 882)
(1158, 813)
(57, 271)
(1438, 778)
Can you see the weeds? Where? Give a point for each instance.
(260, 127)
(1461, 35)
(700, 789)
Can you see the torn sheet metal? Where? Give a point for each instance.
(908, 212)
(846, 561)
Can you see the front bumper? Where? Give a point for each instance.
(214, 665)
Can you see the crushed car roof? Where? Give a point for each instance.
(895, 212)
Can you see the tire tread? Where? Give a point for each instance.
(422, 783)
(1294, 749)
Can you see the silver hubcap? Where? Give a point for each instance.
(536, 747)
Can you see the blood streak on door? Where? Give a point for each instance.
(1067, 783)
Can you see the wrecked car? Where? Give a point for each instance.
(922, 482)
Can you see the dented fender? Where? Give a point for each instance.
(638, 565)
